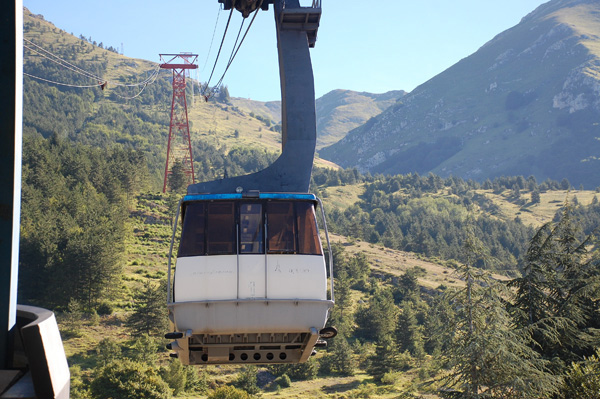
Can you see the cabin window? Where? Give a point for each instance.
(192, 242)
(308, 234)
(251, 229)
(292, 228)
(228, 227)
(220, 228)
(281, 228)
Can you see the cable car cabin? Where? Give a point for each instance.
(250, 284)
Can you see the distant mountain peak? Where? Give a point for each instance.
(526, 103)
(546, 9)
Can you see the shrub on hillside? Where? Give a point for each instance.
(228, 392)
(127, 379)
(283, 381)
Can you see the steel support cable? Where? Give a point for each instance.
(139, 93)
(101, 82)
(63, 63)
(213, 38)
(81, 71)
(238, 49)
(237, 39)
(85, 74)
(220, 48)
(64, 66)
(89, 86)
(131, 98)
(144, 82)
(61, 84)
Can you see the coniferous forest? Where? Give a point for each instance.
(445, 288)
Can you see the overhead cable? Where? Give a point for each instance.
(62, 84)
(239, 46)
(67, 65)
(213, 38)
(141, 91)
(152, 77)
(56, 59)
(237, 38)
(220, 48)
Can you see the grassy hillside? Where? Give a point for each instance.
(270, 109)
(102, 271)
(145, 263)
(52, 38)
(134, 117)
(340, 111)
(536, 214)
(504, 204)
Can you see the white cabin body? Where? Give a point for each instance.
(250, 283)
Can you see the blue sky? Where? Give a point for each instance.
(361, 46)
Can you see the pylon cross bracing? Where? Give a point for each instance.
(179, 146)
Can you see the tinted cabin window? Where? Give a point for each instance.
(210, 228)
(251, 229)
(281, 228)
(220, 228)
(192, 240)
(308, 236)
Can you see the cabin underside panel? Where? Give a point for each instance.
(250, 316)
(205, 349)
(247, 331)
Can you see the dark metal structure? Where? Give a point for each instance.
(179, 147)
(296, 31)
(250, 284)
(32, 359)
(10, 168)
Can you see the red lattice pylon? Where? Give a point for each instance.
(179, 147)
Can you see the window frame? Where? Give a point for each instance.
(314, 247)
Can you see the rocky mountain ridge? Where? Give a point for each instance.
(526, 103)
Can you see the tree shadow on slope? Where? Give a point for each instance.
(420, 158)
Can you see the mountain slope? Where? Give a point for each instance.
(137, 117)
(340, 111)
(526, 103)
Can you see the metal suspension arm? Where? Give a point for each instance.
(292, 170)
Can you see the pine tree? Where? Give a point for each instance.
(535, 197)
(377, 320)
(341, 315)
(532, 302)
(557, 297)
(582, 380)
(440, 315)
(386, 359)
(340, 359)
(126, 379)
(108, 351)
(485, 355)
(177, 179)
(149, 311)
(409, 333)
(574, 289)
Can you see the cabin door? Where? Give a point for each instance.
(251, 253)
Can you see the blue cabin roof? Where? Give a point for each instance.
(275, 196)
